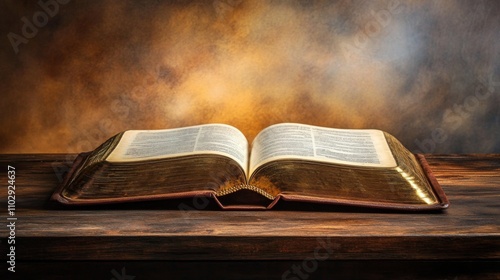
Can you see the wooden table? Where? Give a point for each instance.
(157, 240)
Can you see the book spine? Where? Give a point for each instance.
(244, 187)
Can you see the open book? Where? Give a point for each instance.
(288, 161)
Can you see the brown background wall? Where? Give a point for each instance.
(426, 71)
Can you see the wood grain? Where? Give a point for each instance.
(252, 270)
(468, 230)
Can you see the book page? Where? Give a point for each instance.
(139, 145)
(358, 147)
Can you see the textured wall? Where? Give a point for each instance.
(426, 71)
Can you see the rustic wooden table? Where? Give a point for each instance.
(156, 240)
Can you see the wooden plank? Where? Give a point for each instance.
(338, 269)
(469, 229)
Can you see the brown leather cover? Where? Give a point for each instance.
(80, 159)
